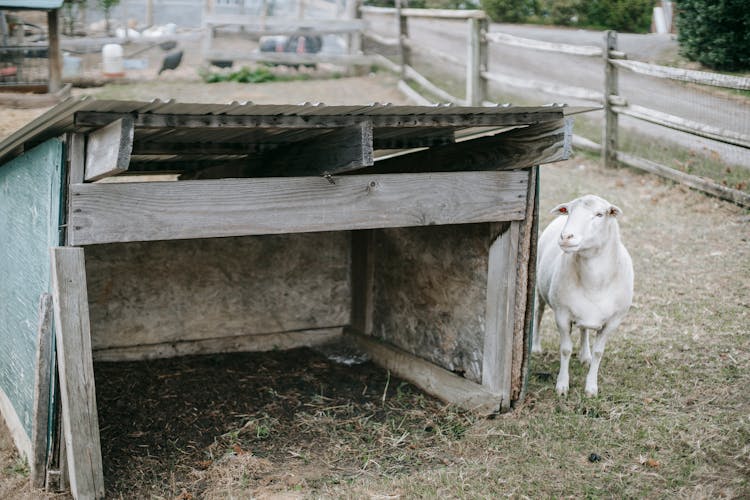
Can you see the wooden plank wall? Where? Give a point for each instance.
(29, 223)
(429, 293)
(143, 296)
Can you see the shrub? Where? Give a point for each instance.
(715, 33)
(633, 16)
(510, 11)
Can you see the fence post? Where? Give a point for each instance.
(475, 63)
(609, 139)
(403, 35)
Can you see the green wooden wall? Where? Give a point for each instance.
(29, 226)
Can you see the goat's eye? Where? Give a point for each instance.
(599, 214)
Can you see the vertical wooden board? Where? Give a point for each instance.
(40, 422)
(76, 369)
(500, 317)
(429, 296)
(29, 223)
(362, 280)
(525, 285)
(171, 291)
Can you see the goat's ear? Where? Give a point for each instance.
(561, 209)
(614, 211)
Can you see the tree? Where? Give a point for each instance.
(715, 33)
(107, 6)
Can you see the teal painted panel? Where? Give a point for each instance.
(29, 226)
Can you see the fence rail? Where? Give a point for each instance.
(478, 75)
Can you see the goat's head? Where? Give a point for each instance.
(591, 222)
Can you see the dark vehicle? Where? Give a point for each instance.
(298, 44)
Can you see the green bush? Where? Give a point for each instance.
(620, 15)
(715, 33)
(510, 11)
(632, 16)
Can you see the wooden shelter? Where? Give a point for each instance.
(214, 228)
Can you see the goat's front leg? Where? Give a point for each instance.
(584, 352)
(564, 326)
(592, 385)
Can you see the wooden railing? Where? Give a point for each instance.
(478, 75)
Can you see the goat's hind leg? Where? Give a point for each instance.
(536, 337)
(564, 326)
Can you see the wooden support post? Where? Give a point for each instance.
(499, 315)
(55, 56)
(475, 64)
(525, 287)
(403, 35)
(76, 369)
(363, 276)
(108, 149)
(38, 461)
(609, 139)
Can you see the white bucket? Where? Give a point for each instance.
(112, 61)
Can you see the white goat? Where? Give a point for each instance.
(584, 273)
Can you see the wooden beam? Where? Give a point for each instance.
(108, 149)
(55, 55)
(700, 183)
(611, 85)
(410, 72)
(518, 148)
(77, 392)
(292, 57)
(87, 119)
(421, 138)
(528, 43)
(685, 75)
(432, 379)
(499, 315)
(341, 150)
(363, 274)
(526, 267)
(145, 211)
(241, 343)
(683, 125)
(141, 148)
(38, 461)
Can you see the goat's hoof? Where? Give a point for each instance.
(562, 389)
(591, 392)
(585, 360)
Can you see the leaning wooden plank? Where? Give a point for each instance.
(431, 87)
(701, 184)
(683, 125)
(108, 149)
(528, 43)
(413, 95)
(500, 314)
(39, 446)
(518, 148)
(341, 150)
(77, 392)
(148, 211)
(432, 379)
(362, 279)
(685, 75)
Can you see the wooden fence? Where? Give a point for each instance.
(478, 75)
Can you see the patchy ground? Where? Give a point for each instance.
(672, 418)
